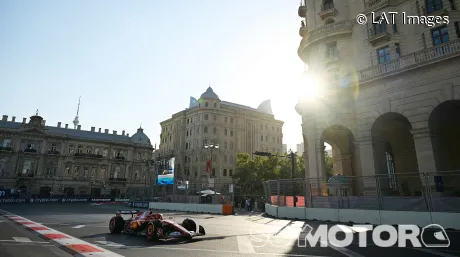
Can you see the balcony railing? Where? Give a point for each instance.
(29, 150)
(118, 180)
(375, 4)
(411, 61)
(120, 158)
(53, 152)
(327, 10)
(88, 155)
(329, 30)
(6, 149)
(302, 11)
(26, 175)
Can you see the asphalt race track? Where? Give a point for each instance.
(226, 235)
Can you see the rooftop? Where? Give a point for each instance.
(104, 136)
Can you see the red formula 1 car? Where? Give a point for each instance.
(153, 226)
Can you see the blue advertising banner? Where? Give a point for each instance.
(166, 176)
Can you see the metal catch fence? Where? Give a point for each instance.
(435, 192)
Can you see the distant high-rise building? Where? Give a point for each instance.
(300, 149)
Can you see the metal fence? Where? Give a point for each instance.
(435, 192)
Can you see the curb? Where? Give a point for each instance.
(69, 244)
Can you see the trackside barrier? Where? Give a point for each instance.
(226, 209)
(375, 217)
(144, 205)
(62, 200)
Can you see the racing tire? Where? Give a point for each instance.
(189, 224)
(152, 230)
(116, 225)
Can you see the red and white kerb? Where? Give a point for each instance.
(70, 244)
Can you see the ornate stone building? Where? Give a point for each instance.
(235, 128)
(42, 160)
(390, 102)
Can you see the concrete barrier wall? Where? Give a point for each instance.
(422, 219)
(190, 207)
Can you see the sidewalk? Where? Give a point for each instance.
(243, 212)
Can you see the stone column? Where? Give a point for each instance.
(321, 171)
(312, 176)
(366, 158)
(425, 156)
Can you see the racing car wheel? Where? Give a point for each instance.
(153, 229)
(116, 225)
(189, 224)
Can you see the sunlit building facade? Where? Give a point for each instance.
(210, 121)
(37, 159)
(389, 102)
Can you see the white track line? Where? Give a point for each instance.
(244, 245)
(22, 239)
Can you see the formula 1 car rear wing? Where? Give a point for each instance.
(132, 212)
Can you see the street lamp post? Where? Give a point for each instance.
(211, 146)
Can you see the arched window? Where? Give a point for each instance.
(206, 104)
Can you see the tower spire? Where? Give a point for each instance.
(76, 121)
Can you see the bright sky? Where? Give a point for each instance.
(136, 62)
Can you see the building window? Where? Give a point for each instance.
(186, 146)
(231, 146)
(225, 159)
(433, 6)
(395, 28)
(206, 117)
(205, 129)
(383, 54)
(215, 105)
(191, 120)
(225, 172)
(230, 173)
(231, 133)
(213, 172)
(331, 50)
(261, 138)
(440, 35)
(188, 121)
(231, 120)
(226, 131)
(105, 152)
(214, 117)
(327, 4)
(225, 119)
(206, 104)
(380, 27)
(187, 132)
(398, 50)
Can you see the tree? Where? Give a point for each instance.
(251, 172)
(329, 164)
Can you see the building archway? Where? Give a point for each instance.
(445, 127)
(395, 155)
(341, 140)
